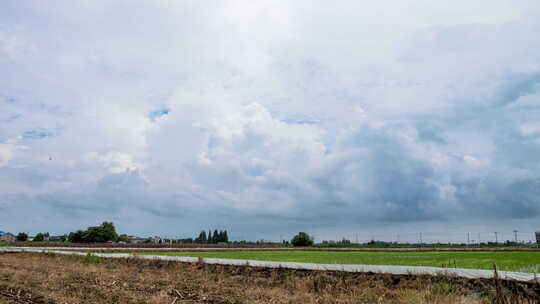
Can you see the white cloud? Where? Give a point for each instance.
(114, 161)
(5, 154)
(475, 162)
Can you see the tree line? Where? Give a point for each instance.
(220, 236)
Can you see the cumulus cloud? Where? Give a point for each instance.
(269, 117)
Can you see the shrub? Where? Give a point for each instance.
(91, 259)
(302, 239)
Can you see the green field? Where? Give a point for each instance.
(512, 261)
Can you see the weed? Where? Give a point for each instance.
(91, 259)
(443, 288)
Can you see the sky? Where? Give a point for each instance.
(368, 119)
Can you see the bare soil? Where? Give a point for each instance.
(50, 278)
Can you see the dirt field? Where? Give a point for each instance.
(48, 278)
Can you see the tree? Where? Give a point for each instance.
(302, 239)
(22, 237)
(98, 234)
(201, 239)
(222, 237)
(108, 232)
(215, 238)
(76, 237)
(39, 237)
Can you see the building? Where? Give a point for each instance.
(56, 238)
(7, 237)
(537, 237)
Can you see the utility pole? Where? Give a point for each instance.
(421, 239)
(468, 239)
(496, 238)
(515, 236)
(479, 240)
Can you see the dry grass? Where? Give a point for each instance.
(48, 278)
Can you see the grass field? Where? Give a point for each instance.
(511, 261)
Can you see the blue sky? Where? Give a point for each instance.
(269, 118)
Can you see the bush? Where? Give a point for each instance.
(302, 239)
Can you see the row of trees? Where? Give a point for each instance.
(220, 236)
(39, 237)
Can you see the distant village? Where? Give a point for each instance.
(106, 233)
(131, 239)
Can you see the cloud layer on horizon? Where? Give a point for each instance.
(269, 118)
